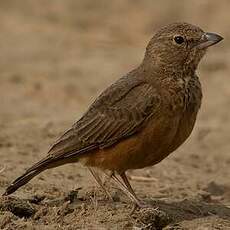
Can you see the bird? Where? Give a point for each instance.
(141, 118)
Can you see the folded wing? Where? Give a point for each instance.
(119, 112)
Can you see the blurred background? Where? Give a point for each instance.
(56, 56)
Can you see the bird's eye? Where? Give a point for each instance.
(179, 39)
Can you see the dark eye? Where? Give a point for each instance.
(179, 39)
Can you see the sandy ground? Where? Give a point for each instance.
(55, 58)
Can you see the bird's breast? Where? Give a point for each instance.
(183, 95)
(183, 105)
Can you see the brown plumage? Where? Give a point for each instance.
(141, 118)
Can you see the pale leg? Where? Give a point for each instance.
(98, 180)
(125, 189)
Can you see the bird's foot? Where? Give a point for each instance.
(141, 205)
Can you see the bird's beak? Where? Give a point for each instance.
(208, 39)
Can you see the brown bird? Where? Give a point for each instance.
(141, 118)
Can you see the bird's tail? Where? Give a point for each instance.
(20, 181)
(37, 168)
(53, 160)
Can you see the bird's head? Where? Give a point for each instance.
(178, 47)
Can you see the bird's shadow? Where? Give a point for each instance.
(189, 209)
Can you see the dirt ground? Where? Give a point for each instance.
(55, 58)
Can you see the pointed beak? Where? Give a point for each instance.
(208, 39)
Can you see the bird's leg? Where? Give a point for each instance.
(100, 183)
(125, 189)
(107, 177)
(128, 185)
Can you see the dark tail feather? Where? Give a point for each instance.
(29, 174)
(45, 163)
(20, 181)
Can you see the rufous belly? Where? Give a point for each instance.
(152, 144)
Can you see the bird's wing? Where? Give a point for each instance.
(119, 112)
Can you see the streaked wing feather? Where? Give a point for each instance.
(116, 114)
